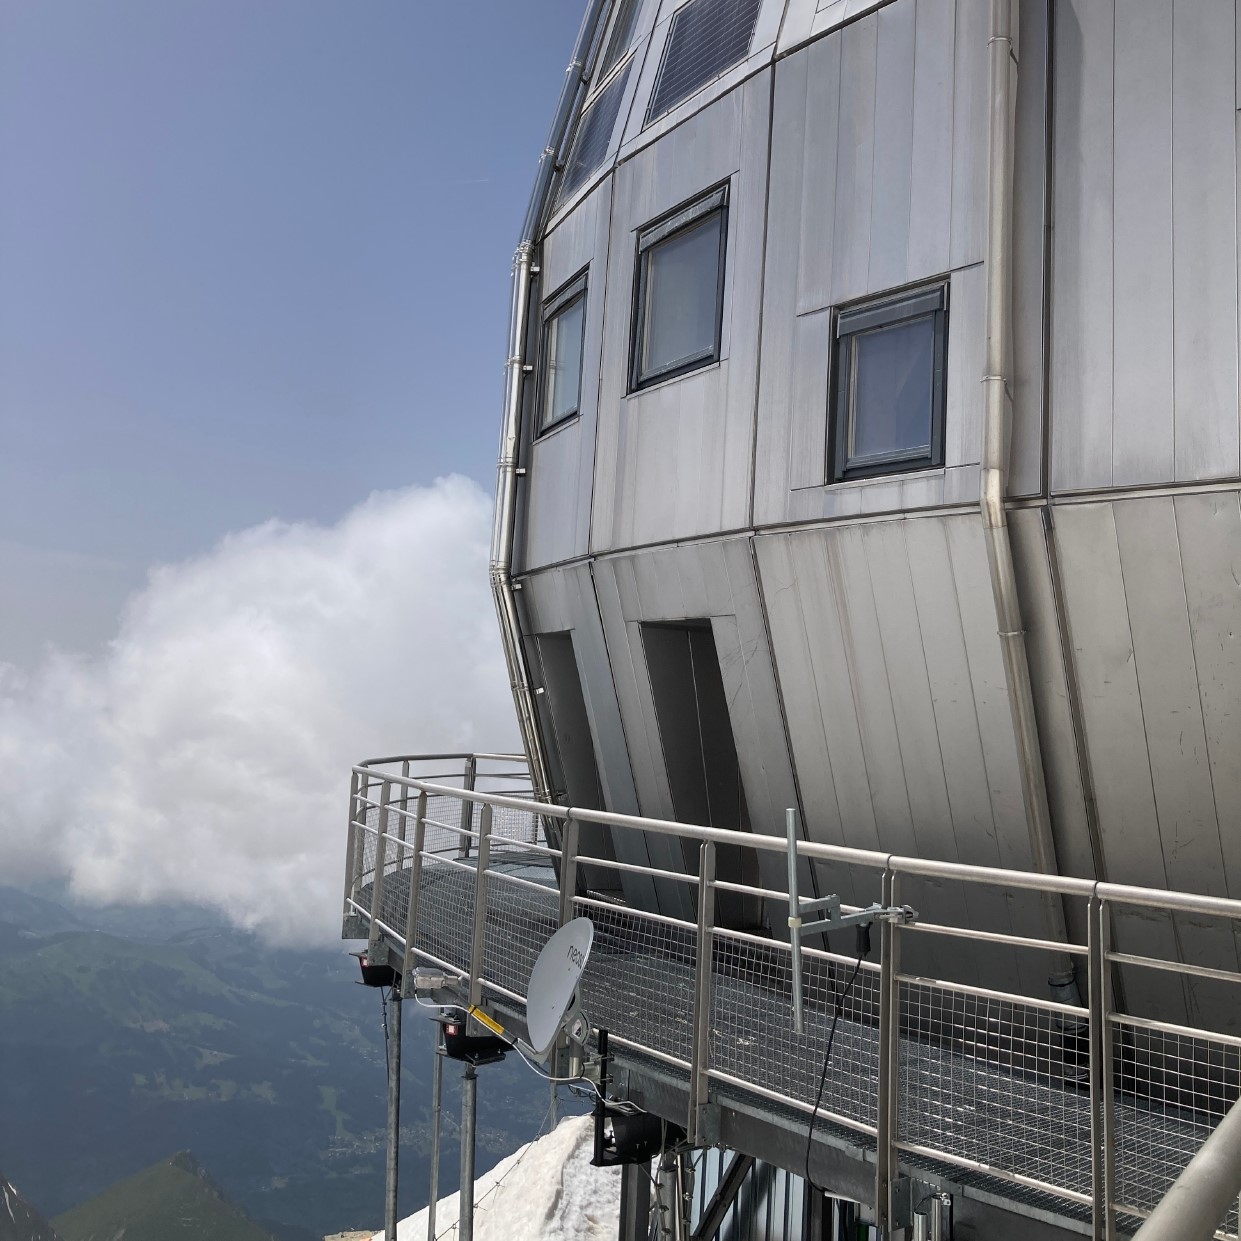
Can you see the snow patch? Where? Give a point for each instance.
(544, 1191)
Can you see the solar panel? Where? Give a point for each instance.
(622, 34)
(707, 37)
(594, 134)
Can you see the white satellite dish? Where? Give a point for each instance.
(553, 982)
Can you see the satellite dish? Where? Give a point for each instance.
(554, 980)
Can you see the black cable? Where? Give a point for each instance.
(841, 997)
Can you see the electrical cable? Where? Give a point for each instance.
(840, 997)
(383, 999)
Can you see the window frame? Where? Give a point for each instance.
(574, 290)
(891, 310)
(649, 238)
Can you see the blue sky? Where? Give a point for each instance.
(254, 262)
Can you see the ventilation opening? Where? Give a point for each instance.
(594, 135)
(706, 37)
(571, 750)
(700, 754)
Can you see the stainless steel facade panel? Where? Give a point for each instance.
(563, 601)
(712, 581)
(869, 192)
(888, 688)
(674, 460)
(1144, 310)
(560, 468)
(1030, 222)
(1081, 374)
(1204, 207)
(1136, 637)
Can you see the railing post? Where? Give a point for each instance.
(889, 1058)
(568, 869)
(1107, 1047)
(700, 1054)
(1095, 966)
(468, 779)
(351, 847)
(381, 861)
(479, 941)
(415, 883)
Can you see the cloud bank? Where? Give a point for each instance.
(205, 755)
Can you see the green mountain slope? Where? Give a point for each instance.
(174, 1200)
(19, 1221)
(126, 1035)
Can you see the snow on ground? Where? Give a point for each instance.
(544, 1191)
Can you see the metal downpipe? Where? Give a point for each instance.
(997, 434)
(576, 76)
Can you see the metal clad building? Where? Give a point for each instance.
(752, 563)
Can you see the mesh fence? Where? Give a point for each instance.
(639, 980)
(997, 1082)
(523, 912)
(1171, 1090)
(752, 1034)
(446, 910)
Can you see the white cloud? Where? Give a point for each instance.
(205, 756)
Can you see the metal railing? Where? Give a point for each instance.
(1089, 1111)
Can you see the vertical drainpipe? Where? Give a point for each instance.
(997, 435)
(576, 77)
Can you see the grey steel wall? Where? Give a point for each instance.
(854, 621)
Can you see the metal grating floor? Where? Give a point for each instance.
(639, 984)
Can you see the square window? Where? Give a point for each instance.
(679, 292)
(891, 360)
(564, 335)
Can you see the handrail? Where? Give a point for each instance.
(964, 872)
(1202, 1195)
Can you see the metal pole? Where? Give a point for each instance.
(635, 1208)
(1095, 962)
(437, 1089)
(503, 534)
(1107, 1054)
(469, 1112)
(377, 882)
(700, 1052)
(799, 1016)
(394, 1114)
(889, 1058)
(468, 780)
(479, 942)
(1198, 1201)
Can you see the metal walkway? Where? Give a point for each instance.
(1012, 1094)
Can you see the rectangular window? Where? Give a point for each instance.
(623, 27)
(564, 334)
(890, 366)
(679, 292)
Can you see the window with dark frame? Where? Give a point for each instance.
(560, 371)
(890, 369)
(678, 310)
(623, 27)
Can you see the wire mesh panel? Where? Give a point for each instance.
(752, 1034)
(1171, 1091)
(446, 910)
(997, 1082)
(394, 899)
(639, 980)
(521, 918)
(446, 816)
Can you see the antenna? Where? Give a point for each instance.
(553, 982)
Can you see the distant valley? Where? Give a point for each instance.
(131, 1034)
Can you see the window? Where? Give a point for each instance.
(889, 405)
(564, 331)
(622, 34)
(594, 135)
(705, 38)
(679, 292)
